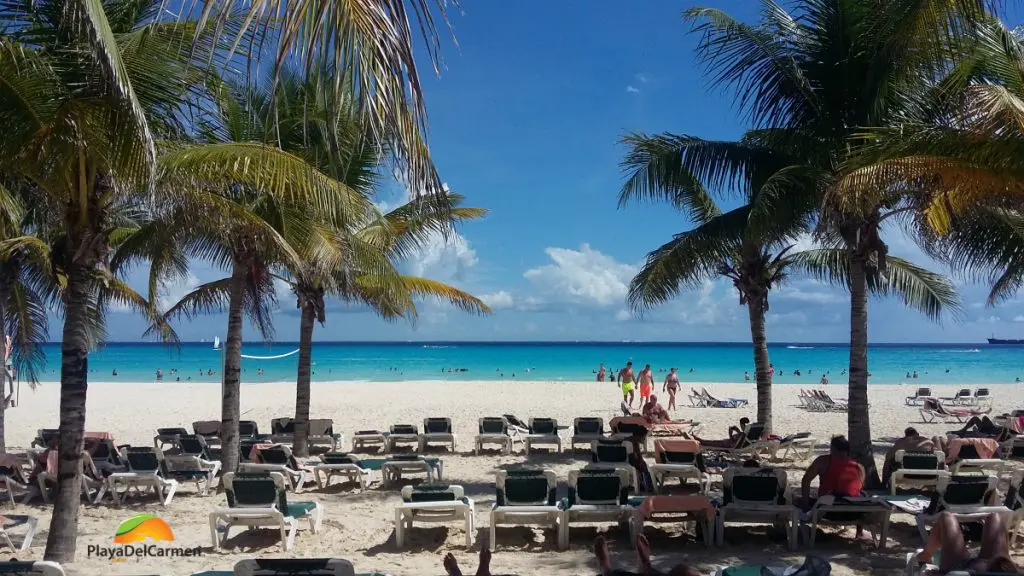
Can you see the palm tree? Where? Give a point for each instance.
(26, 288)
(357, 266)
(83, 143)
(810, 79)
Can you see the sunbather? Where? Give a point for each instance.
(654, 413)
(643, 555)
(947, 538)
(911, 442)
(983, 427)
(736, 437)
(839, 475)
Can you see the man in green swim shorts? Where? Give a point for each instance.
(626, 379)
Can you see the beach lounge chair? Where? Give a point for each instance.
(278, 458)
(525, 498)
(800, 444)
(167, 438)
(292, 567)
(209, 429)
(917, 469)
(751, 443)
(319, 432)
(433, 503)
(404, 435)
(678, 459)
(45, 437)
(145, 470)
(932, 410)
(712, 402)
(615, 454)
(404, 464)
(962, 396)
(249, 429)
(851, 511)
(967, 457)
(586, 430)
(543, 432)
(193, 463)
(967, 497)
(697, 400)
(14, 567)
(493, 430)
(696, 508)
(596, 494)
(437, 431)
(982, 396)
(919, 396)
(261, 501)
(348, 466)
(92, 479)
(756, 494)
(365, 439)
(10, 521)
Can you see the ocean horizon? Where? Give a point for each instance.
(889, 363)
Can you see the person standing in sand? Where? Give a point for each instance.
(671, 386)
(646, 384)
(626, 379)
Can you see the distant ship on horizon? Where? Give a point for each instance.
(1006, 341)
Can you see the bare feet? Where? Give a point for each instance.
(451, 565)
(601, 551)
(484, 569)
(643, 553)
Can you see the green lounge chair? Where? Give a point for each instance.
(597, 494)
(437, 431)
(543, 432)
(364, 439)
(966, 496)
(16, 568)
(615, 454)
(193, 463)
(261, 501)
(917, 469)
(756, 495)
(145, 470)
(586, 430)
(525, 498)
(167, 438)
(678, 459)
(341, 464)
(404, 464)
(494, 430)
(434, 503)
(403, 435)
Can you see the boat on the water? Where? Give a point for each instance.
(216, 342)
(1006, 341)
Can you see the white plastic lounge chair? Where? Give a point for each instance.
(596, 495)
(800, 444)
(293, 567)
(757, 494)
(697, 399)
(1014, 500)
(543, 432)
(319, 432)
(712, 402)
(145, 470)
(9, 521)
(615, 454)
(919, 396)
(915, 568)
(586, 430)
(193, 463)
(248, 429)
(932, 410)
(16, 568)
(400, 465)
(687, 509)
(982, 396)
(261, 501)
(209, 429)
(525, 498)
(493, 430)
(962, 396)
(92, 481)
(13, 479)
(366, 439)
(404, 435)
(167, 438)
(278, 458)
(751, 443)
(851, 511)
(344, 465)
(917, 469)
(678, 459)
(437, 431)
(433, 503)
(968, 460)
(967, 497)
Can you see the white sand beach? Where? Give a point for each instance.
(359, 524)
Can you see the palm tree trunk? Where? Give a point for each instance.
(230, 408)
(302, 388)
(858, 418)
(4, 398)
(761, 374)
(74, 370)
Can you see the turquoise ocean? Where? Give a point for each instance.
(710, 362)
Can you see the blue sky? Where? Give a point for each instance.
(525, 121)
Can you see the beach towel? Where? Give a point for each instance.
(986, 447)
(691, 446)
(677, 504)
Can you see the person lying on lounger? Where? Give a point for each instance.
(947, 538)
(983, 427)
(654, 413)
(737, 437)
(911, 442)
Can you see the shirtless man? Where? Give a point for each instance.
(646, 384)
(671, 385)
(626, 379)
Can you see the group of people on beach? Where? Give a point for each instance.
(629, 382)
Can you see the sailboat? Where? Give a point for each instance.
(216, 342)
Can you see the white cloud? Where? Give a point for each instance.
(632, 89)
(794, 293)
(643, 78)
(1018, 318)
(622, 316)
(584, 276)
(500, 300)
(443, 259)
(790, 319)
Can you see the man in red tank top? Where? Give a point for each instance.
(838, 474)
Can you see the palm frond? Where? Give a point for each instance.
(421, 287)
